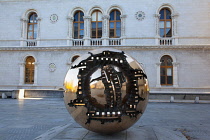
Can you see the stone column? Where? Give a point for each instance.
(123, 29)
(105, 30)
(157, 36)
(24, 22)
(38, 31)
(174, 28)
(35, 73)
(22, 71)
(158, 74)
(87, 23)
(175, 74)
(70, 29)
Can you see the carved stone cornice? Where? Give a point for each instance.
(175, 64)
(157, 15)
(72, 48)
(104, 17)
(39, 19)
(24, 19)
(123, 16)
(174, 15)
(70, 18)
(86, 17)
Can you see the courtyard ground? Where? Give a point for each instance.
(29, 119)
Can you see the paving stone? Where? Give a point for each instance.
(29, 118)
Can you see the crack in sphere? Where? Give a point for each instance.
(106, 91)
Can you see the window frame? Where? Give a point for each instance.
(29, 70)
(115, 24)
(165, 20)
(97, 22)
(79, 22)
(165, 67)
(35, 22)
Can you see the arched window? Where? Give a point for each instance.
(32, 26)
(115, 24)
(78, 25)
(96, 24)
(166, 70)
(74, 58)
(165, 23)
(29, 70)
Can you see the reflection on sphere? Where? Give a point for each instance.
(106, 91)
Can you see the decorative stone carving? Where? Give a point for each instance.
(54, 18)
(140, 15)
(52, 67)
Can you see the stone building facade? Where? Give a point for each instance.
(40, 38)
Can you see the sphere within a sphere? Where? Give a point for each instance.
(106, 91)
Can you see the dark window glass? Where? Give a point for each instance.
(161, 14)
(112, 15)
(166, 70)
(78, 25)
(32, 26)
(165, 21)
(96, 24)
(115, 24)
(29, 70)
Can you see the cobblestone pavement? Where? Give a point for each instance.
(27, 119)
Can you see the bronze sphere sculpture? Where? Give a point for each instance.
(106, 91)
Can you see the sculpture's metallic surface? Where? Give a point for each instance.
(106, 91)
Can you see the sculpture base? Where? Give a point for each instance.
(75, 131)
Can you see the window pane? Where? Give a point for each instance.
(118, 33)
(81, 16)
(161, 32)
(99, 33)
(35, 27)
(30, 35)
(169, 72)
(117, 15)
(94, 16)
(162, 80)
(35, 18)
(93, 34)
(169, 62)
(111, 25)
(111, 33)
(161, 24)
(76, 16)
(75, 26)
(81, 33)
(99, 24)
(162, 71)
(169, 80)
(76, 34)
(112, 15)
(35, 35)
(81, 25)
(161, 14)
(31, 20)
(99, 16)
(30, 27)
(93, 25)
(168, 14)
(118, 25)
(168, 32)
(168, 24)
